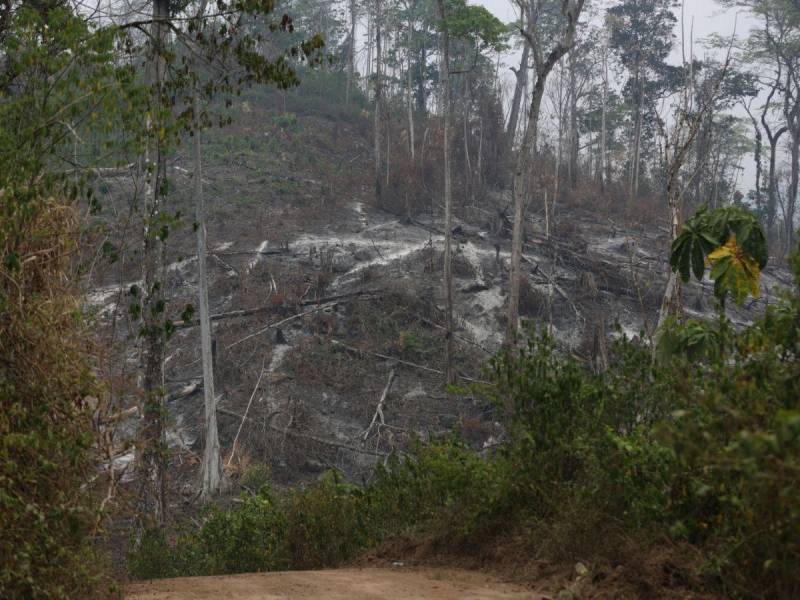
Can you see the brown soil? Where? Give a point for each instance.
(342, 584)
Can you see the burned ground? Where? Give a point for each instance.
(319, 295)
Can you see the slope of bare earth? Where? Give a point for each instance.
(318, 295)
(341, 584)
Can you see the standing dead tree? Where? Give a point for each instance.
(525, 167)
(677, 145)
(379, 110)
(351, 52)
(448, 198)
(521, 82)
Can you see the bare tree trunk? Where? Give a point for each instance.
(604, 120)
(370, 27)
(410, 101)
(450, 372)
(791, 111)
(772, 182)
(378, 105)
(560, 144)
(671, 303)
(637, 145)
(467, 161)
(519, 91)
(571, 10)
(422, 100)
(759, 145)
(773, 139)
(479, 170)
(572, 166)
(388, 148)
(546, 216)
(351, 53)
(151, 447)
(211, 471)
(791, 200)
(519, 191)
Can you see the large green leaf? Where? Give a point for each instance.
(730, 239)
(735, 271)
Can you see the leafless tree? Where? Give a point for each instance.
(543, 61)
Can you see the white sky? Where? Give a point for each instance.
(704, 17)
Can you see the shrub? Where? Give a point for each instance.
(443, 486)
(326, 523)
(249, 538)
(46, 516)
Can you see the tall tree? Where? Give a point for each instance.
(225, 44)
(351, 51)
(774, 47)
(450, 372)
(544, 60)
(151, 460)
(520, 83)
(690, 111)
(642, 35)
(212, 465)
(378, 116)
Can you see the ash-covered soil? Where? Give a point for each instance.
(318, 296)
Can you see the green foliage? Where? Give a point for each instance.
(255, 476)
(56, 71)
(732, 240)
(314, 539)
(250, 538)
(703, 447)
(475, 24)
(442, 486)
(263, 533)
(695, 340)
(153, 558)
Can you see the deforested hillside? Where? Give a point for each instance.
(432, 285)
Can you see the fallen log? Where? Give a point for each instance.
(304, 436)
(402, 362)
(249, 312)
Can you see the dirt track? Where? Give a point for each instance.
(342, 584)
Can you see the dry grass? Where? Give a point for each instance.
(49, 402)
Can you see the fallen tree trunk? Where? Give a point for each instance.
(305, 436)
(248, 312)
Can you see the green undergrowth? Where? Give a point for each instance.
(698, 450)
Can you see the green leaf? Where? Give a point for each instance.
(698, 261)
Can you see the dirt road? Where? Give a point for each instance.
(341, 584)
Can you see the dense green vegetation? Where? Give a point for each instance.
(701, 447)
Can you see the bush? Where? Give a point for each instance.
(249, 538)
(702, 446)
(315, 537)
(47, 391)
(46, 516)
(443, 486)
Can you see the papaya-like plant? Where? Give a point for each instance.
(730, 241)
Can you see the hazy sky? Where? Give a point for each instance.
(703, 17)
(706, 16)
